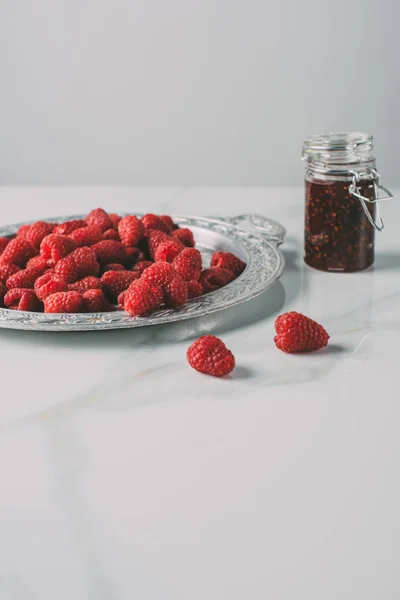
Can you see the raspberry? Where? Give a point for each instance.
(174, 288)
(188, 264)
(48, 284)
(151, 221)
(142, 298)
(109, 251)
(22, 279)
(167, 251)
(114, 267)
(141, 266)
(297, 333)
(214, 278)
(99, 218)
(158, 273)
(86, 262)
(86, 236)
(3, 292)
(185, 236)
(17, 252)
(154, 239)
(21, 299)
(229, 261)
(85, 284)
(95, 301)
(22, 231)
(133, 255)
(115, 219)
(37, 232)
(209, 355)
(116, 282)
(67, 269)
(3, 243)
(130, 230)
(111, 234)
(6, 271)
(69, 226)
(168, 221)
(38, 264)
(55, 247)
(121, 300)
(195, 289)
(64, 302)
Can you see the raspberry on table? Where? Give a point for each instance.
(21, 299)
(195, 289)
(3, 243)
(109, 251)
(87, 283)
(38, 264)
(142, 298)
(168, 221)
(49, 284)
(214, 278)
(6, 271)
(22, 279)
(85, 261)
(227, 260)
(151, 221)
(64, 302)
(185, 236)
(37, 232)
(86, 236)
(188, 264)
(95, 301)
(115, 219)
(99, 218)
(69, 226)
(298, 333)
(209, 355)
(116, 282)
(131, 230)
(55, 247)
(141, 266)
(17, 252)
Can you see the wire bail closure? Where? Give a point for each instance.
(354, 190)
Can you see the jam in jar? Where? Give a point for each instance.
(341, 196)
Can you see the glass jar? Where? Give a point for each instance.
(342, 196)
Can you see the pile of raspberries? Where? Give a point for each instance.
(106, 262)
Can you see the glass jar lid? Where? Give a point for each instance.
(338, 149)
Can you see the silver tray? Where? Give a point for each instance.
(257, 246)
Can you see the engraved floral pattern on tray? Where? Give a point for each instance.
(264, 267)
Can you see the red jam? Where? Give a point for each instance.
(338, 235)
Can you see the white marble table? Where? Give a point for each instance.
(126, 475)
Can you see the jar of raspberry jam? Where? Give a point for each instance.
(342, 201)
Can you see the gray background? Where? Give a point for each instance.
(189, 92)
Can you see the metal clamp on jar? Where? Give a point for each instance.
(342, 201)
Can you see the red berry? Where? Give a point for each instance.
(111, 234)
(17, 252)
(130, 230)
(151, 221)
(21, 299)
(141, 266)
(37, 232)
(116, 282)
(109, 251)
(168, 221)
(121, 300)
(195, 289)
(114, 267)
(55, 247)
(48, 284)
(69, 226)
(64, 302)
(3, 243)
(175, 292)
(85, 261)
(95, 301)
(115, 219)
(6, 271)
(86, 236)
(38, 264)
(142, 298)
(188, 264)
(158, 273)
(154, 239)
(297, 333)
(185, 236)
(85, 284)
(23, 230)
(167, 251)
(214, 278)
(22, 279)
(67, 269)
(227, 260)
(99, 218)
(209, 355)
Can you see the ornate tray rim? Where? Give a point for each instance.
(265, 266)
